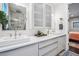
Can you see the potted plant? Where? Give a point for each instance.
(3, 20)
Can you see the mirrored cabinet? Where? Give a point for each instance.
(17, 17)
(14, 24)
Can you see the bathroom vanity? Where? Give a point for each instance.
(36, 46)
(24, 20)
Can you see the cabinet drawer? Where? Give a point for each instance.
(47, 49)
(29, 50)
(46, 43)
(52, 53)
(64, 42)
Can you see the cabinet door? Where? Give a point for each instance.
(48, 47)
(48, 12)
(30, 50)
(38, 14)
(61, 43)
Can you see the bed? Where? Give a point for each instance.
(74, 36)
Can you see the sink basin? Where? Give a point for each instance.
(2, 39)
(11, 41)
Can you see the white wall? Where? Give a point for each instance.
(61, 11)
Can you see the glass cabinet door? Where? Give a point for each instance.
(38, 14)
(48, 13)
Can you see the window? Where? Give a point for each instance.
(75, 24)
(5, 7)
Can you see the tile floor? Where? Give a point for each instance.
(70, 53)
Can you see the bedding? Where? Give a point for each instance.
(74, 36)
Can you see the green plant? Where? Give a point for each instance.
(3, 19)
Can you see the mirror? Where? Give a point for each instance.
(16, 17)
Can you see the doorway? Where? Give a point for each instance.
(74, 27)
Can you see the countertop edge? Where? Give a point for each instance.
(19, 45)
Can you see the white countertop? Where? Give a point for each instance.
(33, 39)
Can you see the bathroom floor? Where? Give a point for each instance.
(73, 50)
(70, 53)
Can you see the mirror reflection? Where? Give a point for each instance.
(15, 17)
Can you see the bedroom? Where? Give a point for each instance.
(74, 27)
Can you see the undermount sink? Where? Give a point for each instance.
(11, 41)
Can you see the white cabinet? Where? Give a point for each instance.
(48, 48)
(61, 43)
(52, 47)
(38, 14)
(48, 14)
(42, 15)
(29, 50)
